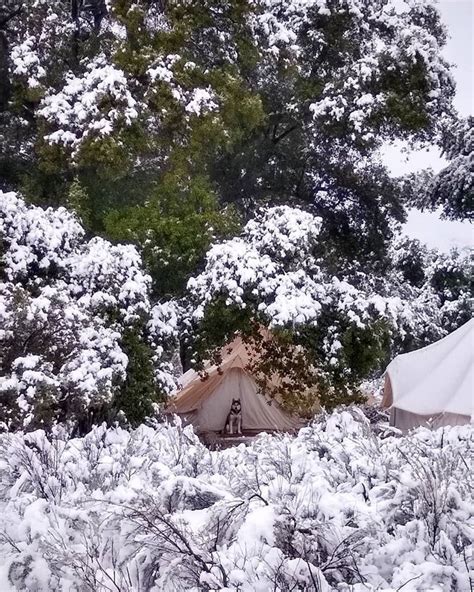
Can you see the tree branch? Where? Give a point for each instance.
(283, 134)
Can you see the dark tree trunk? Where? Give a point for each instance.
(4, 74)
(5, 84)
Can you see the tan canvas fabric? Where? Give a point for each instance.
(257, 414)
(197, 388)
(208, 398)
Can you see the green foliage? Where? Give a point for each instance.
(261, 144)
(411, 261)
(78, 200)
(450, 191)
(218, 327)
(174, 229)
(138, 393)
(363, 353)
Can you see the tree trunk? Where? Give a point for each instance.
(4, 74)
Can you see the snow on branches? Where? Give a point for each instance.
(267, 264)
(55, 354)
(392, 37)
(275, 264)
(453, 187)
(65, 304)
(77, 110)
(383, 43)
(334, 508)
(278, 271)
(37, 240)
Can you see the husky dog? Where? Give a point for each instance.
(234, 419)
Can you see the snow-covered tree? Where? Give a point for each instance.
(279, 272)
(265, 102)
(76, 323)
(451, 191)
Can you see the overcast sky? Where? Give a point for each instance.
(458, 15)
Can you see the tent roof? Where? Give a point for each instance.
(196, 389)
(435, 379)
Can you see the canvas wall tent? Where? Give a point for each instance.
(434, 384)
(206, 402)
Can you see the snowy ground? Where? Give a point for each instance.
(336, 508)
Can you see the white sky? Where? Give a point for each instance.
(458, 15)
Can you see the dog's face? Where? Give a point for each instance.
(236, 407)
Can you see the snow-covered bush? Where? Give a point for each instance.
(334, 508)
(67, 307)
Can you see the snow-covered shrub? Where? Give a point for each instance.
(68, 307)
(57, 360)
(334, 508)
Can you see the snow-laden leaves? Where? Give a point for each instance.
(65, 304)
(268, 264)
(377, 44)
(37, 240)
(56, 357)
(44, 245)
(77, 110)
(117, 106)
(274, 265)
(453, 187)
(391, 37)
(349, 320)
(334, 508)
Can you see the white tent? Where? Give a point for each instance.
(205, 401)
(435, 383)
